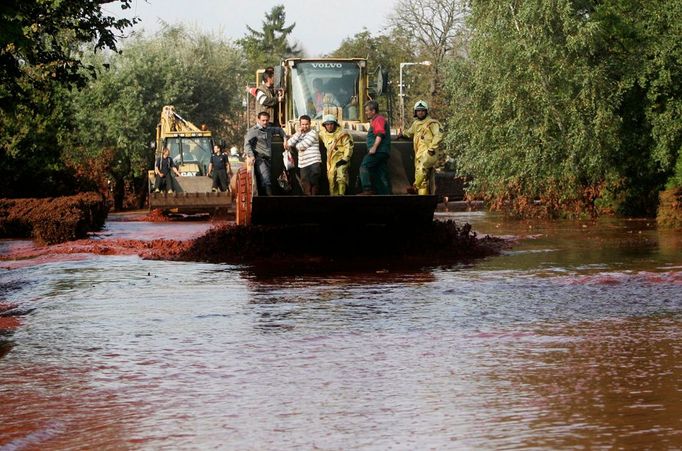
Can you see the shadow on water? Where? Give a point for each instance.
(370, 272)
(283, 296)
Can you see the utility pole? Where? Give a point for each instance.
(402, 91)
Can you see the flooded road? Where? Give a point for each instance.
(571, 339)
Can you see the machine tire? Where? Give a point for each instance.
(243, 197)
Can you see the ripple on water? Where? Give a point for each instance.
(123, 352)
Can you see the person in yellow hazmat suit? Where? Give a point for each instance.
(426, 135)
(339, 145)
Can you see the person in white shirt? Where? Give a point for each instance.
(306, 143)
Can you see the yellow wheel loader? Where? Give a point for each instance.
(318, 88)
(190, 148)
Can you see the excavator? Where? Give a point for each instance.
(190, 148)
(346, 86)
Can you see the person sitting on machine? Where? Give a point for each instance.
(322, 99)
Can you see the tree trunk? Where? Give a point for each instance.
(119, 193)
(141, 190)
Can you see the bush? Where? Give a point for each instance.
(52, 220)
(670, 209)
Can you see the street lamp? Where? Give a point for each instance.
(402, 94)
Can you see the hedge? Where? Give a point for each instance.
(54, 219)
(670, 209)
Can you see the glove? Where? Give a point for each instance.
(341, 163)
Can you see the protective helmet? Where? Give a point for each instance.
(421, 105)
(329, 119)
(234, 151)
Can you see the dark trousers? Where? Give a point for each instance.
(220, 179)
(374, 173)
(165, 183)
(263, 178)
(310, 179)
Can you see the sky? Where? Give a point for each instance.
(315, 31)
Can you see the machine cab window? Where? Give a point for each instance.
(191, 154)
(320, 88)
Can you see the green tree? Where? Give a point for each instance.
(272, 43)
(40, 59)
(30, 139)
(661, 75)
(39, 39)
(385, 51)
(559, 102)
(645, 54)
(116, 116)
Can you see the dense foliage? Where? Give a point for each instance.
(30, 149)
(38, 43)
(574, 103)
(39, 61)
(115, 118)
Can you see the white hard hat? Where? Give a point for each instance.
(233, 151)
(421, 105)
(329, 119)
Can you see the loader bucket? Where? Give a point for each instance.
(397, 211)
(192, 195)
(401, 211)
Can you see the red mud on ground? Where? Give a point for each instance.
(157, 215)
(128, 233)
(8, 322)
(223, 243)
(76, 250)
(124, 234)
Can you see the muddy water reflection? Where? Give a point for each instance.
(566, 341)
(580, 246)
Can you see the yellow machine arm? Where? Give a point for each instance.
(173, 122)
